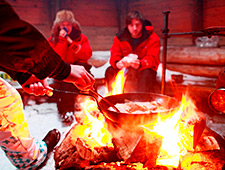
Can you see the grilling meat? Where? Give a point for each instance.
(139, 107)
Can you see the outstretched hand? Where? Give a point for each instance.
(37, 87)
(80, 78)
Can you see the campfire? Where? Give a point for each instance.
(179, 141)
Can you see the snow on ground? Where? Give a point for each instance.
(41, 119)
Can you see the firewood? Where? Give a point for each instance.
(209, 160)
(75, 152)
(64, 150)
(83, 150)
(124, 140)
(116, 166)
(198, 129)
(207, 143)
(147, 150)
(135, 145)
(97, 154)
(208, 132)
(194, 55)
(196, 70)
(196, 123)
(106, 154)
(73, 161)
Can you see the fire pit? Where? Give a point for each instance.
(179, 142)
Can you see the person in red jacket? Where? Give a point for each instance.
(136, 48)
(68, 41)
(74, 48)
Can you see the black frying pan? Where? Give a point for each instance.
(169, 103)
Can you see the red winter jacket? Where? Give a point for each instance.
(147, 48)
(78, 51)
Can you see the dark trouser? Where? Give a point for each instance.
(136, 81)
(66, 101)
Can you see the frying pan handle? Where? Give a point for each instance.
(86, 93)
(90, 93)
(96, 95)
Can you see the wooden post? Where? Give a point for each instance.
(165, 31)
(122, 9)
(196, 13)
(53, 7)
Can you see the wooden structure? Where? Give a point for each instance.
(102, 19)
(205, 62)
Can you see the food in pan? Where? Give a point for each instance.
(139, 107)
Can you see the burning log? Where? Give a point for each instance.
(74, 152)
(129, 147)
(134, 144)
(64, 151)
(147, 150)
(209, 153)
(209, 160)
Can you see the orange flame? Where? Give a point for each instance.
(176, 132)
(93, 129)
(118, 84)
(177, 136)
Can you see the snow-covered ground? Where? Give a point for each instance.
(41, 119)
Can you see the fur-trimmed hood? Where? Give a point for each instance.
(64, 15)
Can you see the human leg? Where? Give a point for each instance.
(24, 151)
(131, 80)
(146, 80)
(66, 102)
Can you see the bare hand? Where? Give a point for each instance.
(135, 63)
(37, 87)
(120, 64)
(80, 78)
(62, 33)
(129, 61)
(124, 62)
(69, 40)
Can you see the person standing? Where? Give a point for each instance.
(73, 47)
(28, 58)
(137, 49)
